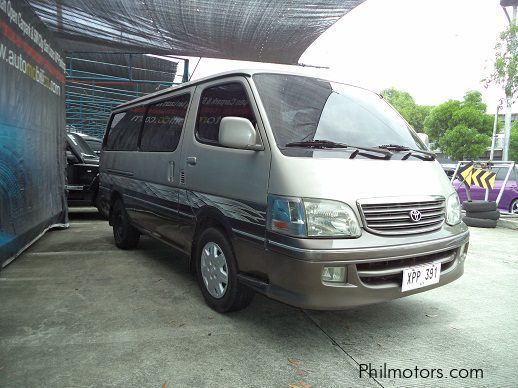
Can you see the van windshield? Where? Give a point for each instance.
(302, 109)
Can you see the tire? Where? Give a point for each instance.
(216, 270)
(492, 215)
(479, 206)
(480, 223)
(513, 208)
(126, 235)
(97, 205)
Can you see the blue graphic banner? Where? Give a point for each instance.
(32, 130)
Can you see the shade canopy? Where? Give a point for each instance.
(255, 30)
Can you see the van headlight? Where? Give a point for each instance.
(330, 218)
(453, 213)
(309, 217)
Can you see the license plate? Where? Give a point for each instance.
(420, 276)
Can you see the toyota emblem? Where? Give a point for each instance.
(415, 215)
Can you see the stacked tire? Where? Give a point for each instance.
(482, 214)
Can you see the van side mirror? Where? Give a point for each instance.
(238, 132)
(424, 139)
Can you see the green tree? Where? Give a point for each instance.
(473, 98)
(441, 119)
(461, 129)
(505, 72)
(404, 103)
(464, 143)
(513, 145)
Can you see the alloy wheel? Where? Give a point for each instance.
(214, 270)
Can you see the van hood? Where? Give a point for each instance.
(349, 180)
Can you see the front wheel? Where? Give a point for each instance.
(217, 273)
(513, 209)
(126, 235)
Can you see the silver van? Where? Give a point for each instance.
(311, 192)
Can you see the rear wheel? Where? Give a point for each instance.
(217, 273)
(126, 235)
(513, 209)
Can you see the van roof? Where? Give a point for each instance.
(184, 85)
(243, 72)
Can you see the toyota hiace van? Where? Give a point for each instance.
(312, 192)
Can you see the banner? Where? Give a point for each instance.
(32, 129)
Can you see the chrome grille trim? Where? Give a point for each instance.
(390, 216)
(399, 269)
(388, 273)
(376, 218)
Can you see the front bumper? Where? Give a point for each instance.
(293, 275)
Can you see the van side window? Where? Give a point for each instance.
(217, 102)
(163, 124)
(124, 130)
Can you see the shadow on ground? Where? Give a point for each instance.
(84, 214)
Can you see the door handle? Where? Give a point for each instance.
(170, 172)
(191, 160)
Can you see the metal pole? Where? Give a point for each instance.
(495, 127)
(185, 77)
(468, 191)
(504, 183)
(493, 140)
(456, 171)
(509, 99)
(507, 128)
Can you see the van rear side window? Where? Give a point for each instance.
(124, 130)
(217, 102)
(163, 124)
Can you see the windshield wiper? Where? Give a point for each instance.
(420, 154)
(323, 144)
(316, 144)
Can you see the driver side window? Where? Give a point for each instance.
(217, 102)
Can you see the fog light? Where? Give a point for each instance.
(333, 274)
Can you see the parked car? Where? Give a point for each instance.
(509, 200)
(447, 165)
(449, 169)
(312, 192)
(94, 142)
(82, 172)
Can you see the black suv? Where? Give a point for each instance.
(94, 142)
(82, 172)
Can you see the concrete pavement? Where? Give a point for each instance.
(77, 312)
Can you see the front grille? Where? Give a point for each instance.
(389, 272)
(395, 219)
